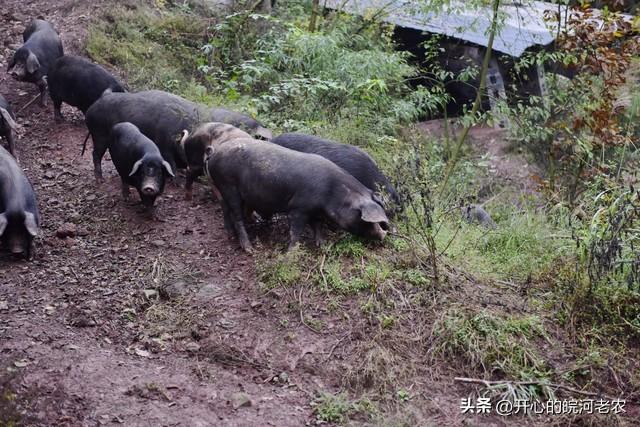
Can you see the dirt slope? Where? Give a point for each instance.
(89, 347)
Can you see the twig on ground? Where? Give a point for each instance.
(302, 314)
(324, 278)
(28, 103)
(333, 348)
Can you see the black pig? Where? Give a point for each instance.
(194, 145)
(138, 162)
(32, 60)
(348, 157)
(269, 179)
(79, 83)
(160, 116)
(7, 124)
(19, 216)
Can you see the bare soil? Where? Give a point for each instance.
(90, 347)
(506, 166)
(146, 322)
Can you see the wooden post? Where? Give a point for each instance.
(315, 5)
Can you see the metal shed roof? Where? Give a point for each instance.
(524, 25)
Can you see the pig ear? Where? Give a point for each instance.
(167, 166)
(373, 212)
(135, 167)
(7, 118)
(32, 63)
(30, 224)
(3, 223)
(264, 133)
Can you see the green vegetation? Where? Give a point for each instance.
(337, 408)
(488, 344)
(568, 255)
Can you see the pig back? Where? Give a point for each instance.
(16, 192)
(274, 179)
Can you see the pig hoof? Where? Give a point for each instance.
(188, 196)
(247, 248)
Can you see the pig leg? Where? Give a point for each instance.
(42, 86)
(57, 115)
(236, 212)
(297, 222)
(216, 193)
(99, 148)
(12, 143)
(31, 251)
(228, 224)
(125, 191)
(318, 236)
(188, 195)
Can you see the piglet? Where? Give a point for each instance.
(138, 162)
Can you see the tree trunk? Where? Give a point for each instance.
(478, 101)
(315, 5)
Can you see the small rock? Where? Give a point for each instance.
(21, 363)
(66, 230)
(475, 214)
(4, 305)
(49, 174)
(158, 243)
(150, 293)
(173, 290)
(83, 321)
(209, 291)
(142, 353)
(283, 377)
(239, 400)
(193, 347)
(75, 216)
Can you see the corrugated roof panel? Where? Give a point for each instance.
(523, 26)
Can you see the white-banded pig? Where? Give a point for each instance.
(19, 218)
(349, 157)
(7, 125)
(195, 144)
(159, 115)
(31, 62)
(78, 82)
(269, 179)
(138, 162)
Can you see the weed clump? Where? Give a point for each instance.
(491, 345)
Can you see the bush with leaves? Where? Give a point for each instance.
(575, 131)
(285, 71)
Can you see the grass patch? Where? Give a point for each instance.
(282, 270)
(524, 244)
(339, 409)
(154, 48)
(492, 345)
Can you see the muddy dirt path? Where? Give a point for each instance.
(83, 327)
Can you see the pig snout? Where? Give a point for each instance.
(149, 190)
(17, 72)
(380, 230)
(17, 247)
